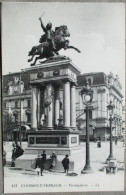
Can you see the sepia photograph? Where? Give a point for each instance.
(63, 97)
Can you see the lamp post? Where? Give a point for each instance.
(111, 107)
(87, 96)
(20, 109)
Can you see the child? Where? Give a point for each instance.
(53, 160)
(38, 165)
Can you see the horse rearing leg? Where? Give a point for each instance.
(29, 60)
(37, 58)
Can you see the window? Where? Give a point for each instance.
(4, 105)
(89, 79)
(28, 117)
(61, 105)
(29, 102)
(16, 104)
(15, 113)
(90, 114)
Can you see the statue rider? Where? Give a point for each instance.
(49, 33)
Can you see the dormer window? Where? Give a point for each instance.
(89, 79)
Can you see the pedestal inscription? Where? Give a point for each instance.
(47, 140)
(73, 140)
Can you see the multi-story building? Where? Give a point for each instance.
(17, 102)
(105, 88)
(123, 121)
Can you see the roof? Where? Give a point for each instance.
(98, 78)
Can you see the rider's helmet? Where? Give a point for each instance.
(49, 26)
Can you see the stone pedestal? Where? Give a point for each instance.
(53, 139)
(76, 159)
(48, 79)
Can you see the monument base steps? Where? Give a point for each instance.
(76, 158)
(58, 151)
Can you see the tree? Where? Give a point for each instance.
(9, 123)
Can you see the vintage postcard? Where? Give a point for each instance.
(63, 96)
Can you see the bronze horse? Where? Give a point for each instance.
(45, 50)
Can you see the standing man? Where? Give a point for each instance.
(49, 33)
(65, 163)
(43, 159)
(4, 157)
(116, 139)
(13, 156)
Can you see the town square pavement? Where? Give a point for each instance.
(16, 180)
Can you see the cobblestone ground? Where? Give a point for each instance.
(28, 181)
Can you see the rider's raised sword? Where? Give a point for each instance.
(42, 14)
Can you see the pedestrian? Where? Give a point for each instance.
(13, 144)
(4, 157)
(99, 138)
(38, 165)
(13, 157)
(19, 151)
(53, 158)
(65, 163)
(116, 140)
(123, 142)
(43, 159)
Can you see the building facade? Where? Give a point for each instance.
(17, 102)
(106, 88)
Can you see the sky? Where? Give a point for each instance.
(97, 29)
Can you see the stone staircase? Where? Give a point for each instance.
(26, 161)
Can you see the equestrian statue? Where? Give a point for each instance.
(50, 43)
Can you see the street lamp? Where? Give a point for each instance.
(111, 107)
(87, 96)
(20, 109)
